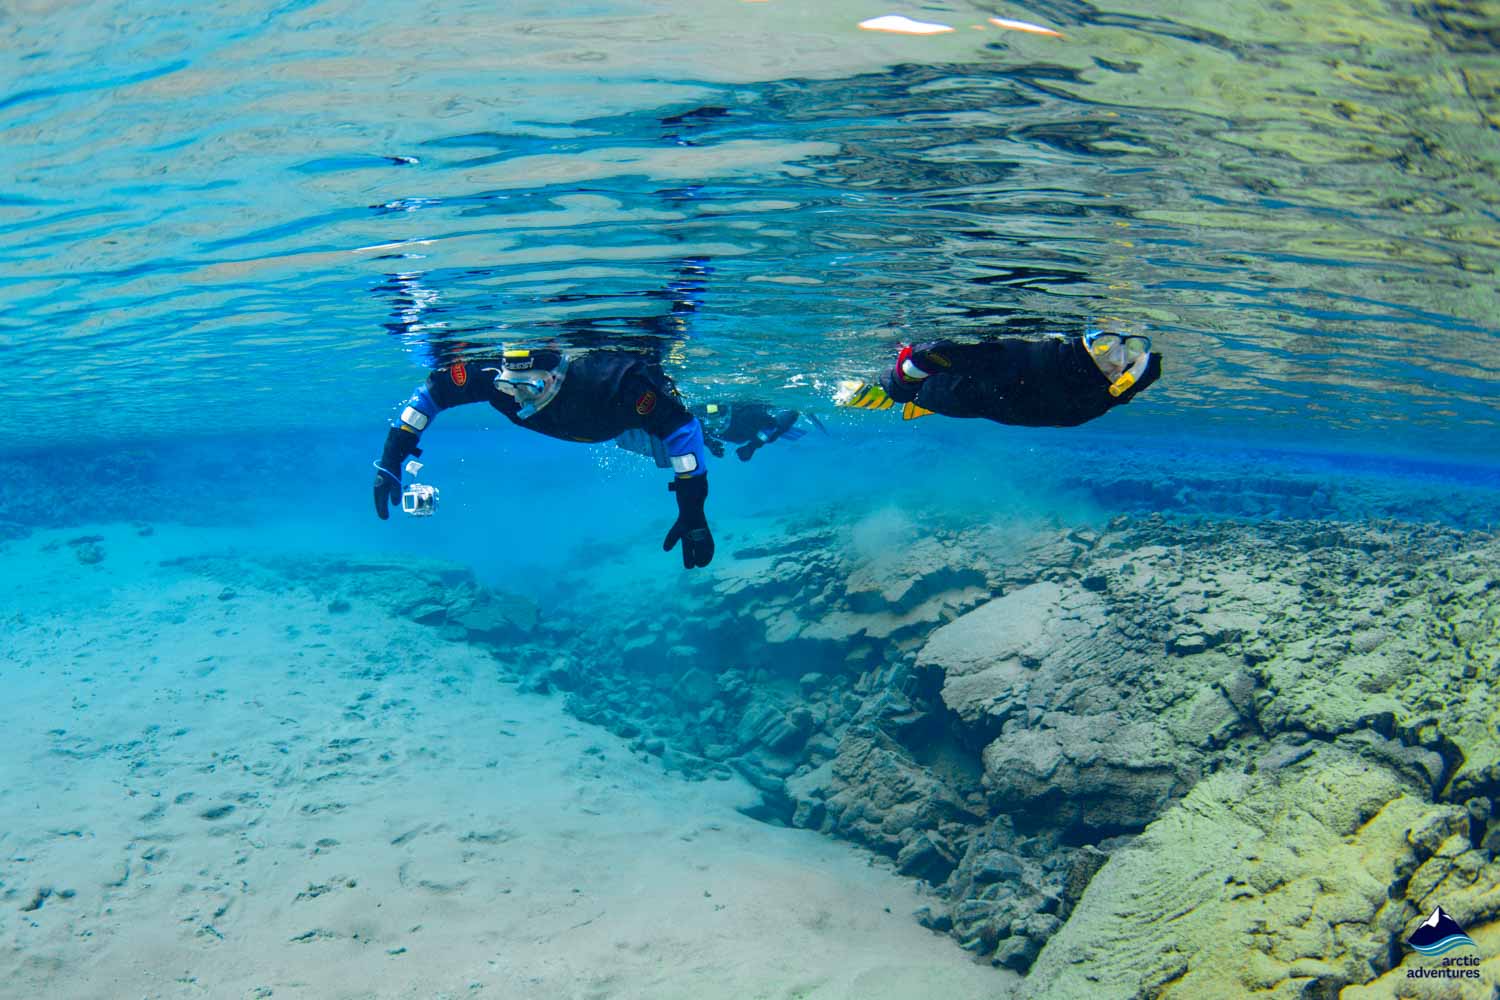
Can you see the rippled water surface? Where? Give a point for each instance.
(273, 213)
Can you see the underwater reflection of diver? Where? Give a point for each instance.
(677, 128)
(595, 396)
(417, 318)
(654, 321)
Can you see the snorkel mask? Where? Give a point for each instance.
(715, 417)
(531, 378)
(1122, 357)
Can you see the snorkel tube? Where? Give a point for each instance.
(533, 388)
(1109, 350)
(1130, 375)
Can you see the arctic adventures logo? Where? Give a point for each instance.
(1438, 935)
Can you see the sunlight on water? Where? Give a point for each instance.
(1299, 202)
(1195, 700)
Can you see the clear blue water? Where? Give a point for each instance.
(236, 236)
(271, 216)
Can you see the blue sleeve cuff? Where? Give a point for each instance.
(685, 449)
(417, 412)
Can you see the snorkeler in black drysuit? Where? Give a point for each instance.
(752, 426)
(592, 396)
(1054, 382)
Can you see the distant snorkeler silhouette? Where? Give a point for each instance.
(749, 424)
(1057, 381)
(590, 396)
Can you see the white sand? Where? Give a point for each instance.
(403, 824)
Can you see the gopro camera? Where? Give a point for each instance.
(418, 499)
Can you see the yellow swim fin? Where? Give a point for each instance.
(911, 411)
(862, 396)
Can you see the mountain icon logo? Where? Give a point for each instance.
(1438, 934)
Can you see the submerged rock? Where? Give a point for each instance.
(88, 549)
(927, 856)
(1276, 884)
(1295, 728)
(902, 578)
(997, 746)
(875, 793)
(488, 617)
(697, 687)
(988, 657)
(1097, 771)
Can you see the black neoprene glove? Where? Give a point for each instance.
(901, 389)
(746, 450)
(691, 526)
(399, 446)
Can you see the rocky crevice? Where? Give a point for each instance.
(1025, 720)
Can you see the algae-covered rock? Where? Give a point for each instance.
(1413, 649)
(988, 657)
(1097, 771)
(1274, 884)
(1414, 978)
(1049, 679)
(1463, 880)
(899, 578)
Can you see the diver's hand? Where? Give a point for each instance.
(387, 491)
(714, 445)
(691, 527)
(745, 451)
(399, 446)
(903, 380)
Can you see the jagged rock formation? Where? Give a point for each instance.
(1072, 734)
(1290, 881)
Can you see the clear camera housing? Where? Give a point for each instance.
(419, 500)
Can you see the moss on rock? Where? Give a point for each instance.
(1260, 885)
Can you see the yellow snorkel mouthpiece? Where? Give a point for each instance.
(1128, 377)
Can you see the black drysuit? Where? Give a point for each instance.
(1030, 383)
(603, 394)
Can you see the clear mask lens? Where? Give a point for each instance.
(531, 388)
(1123, 347)
(521, 387)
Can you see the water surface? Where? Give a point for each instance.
(221, 216)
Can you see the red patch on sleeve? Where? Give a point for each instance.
(646, 403)
(459, 374)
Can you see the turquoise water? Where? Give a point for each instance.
(205, 209)
(236, 236)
